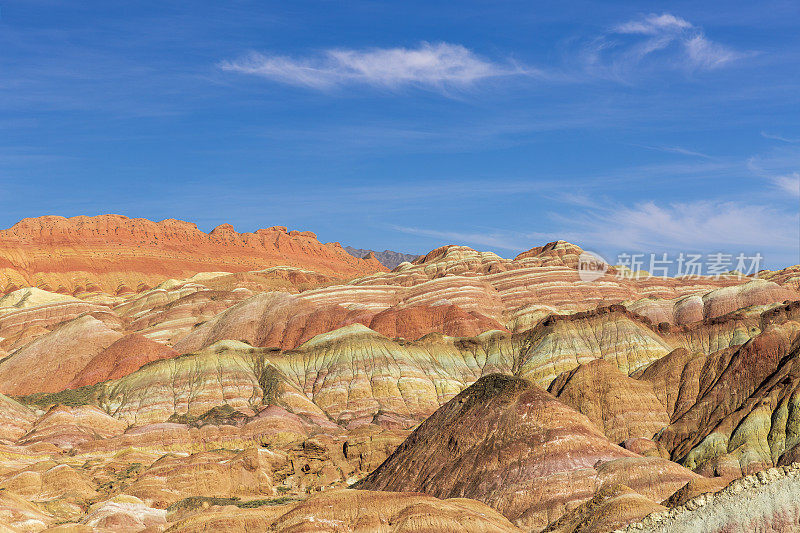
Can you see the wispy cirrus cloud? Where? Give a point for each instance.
(779, 138)
(679, 150)
(654, 25)
(694, 225)
(515, 241)
(702, 224)
(430, 65)
(790, 183)
(665, 40)
(778, 170)
(651, 227)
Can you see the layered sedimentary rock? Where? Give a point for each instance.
(116, 254)
(228, 398)
(64, 427)
(20, 325)
(611, 507)
(512, 445)
(442, 295)
(221, 473)
(788, 277)
(560, 343)
(31, 297)
(171, 322)
(739, 416)
(124, 514)
(757, 293)
(285, 321)
(268, 320)
(622, 407)
(404, 512)
(767, 501)
(15, 420)
(349, 510)
(124, 356)
(52, 361)
(350, 375)
(519, 292)
(47, 481)
(19, 514)
(353, 373)
(227, 374)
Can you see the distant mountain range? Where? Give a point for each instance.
(387, 258)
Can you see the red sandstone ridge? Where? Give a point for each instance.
(114, 253)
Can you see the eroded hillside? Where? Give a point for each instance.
(459, 392)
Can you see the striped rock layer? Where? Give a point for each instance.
(219, 381)
(510, 444)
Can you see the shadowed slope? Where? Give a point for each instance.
(512, 445)
(388, 258)
(745, 408)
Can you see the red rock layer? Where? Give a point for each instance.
(17, 328)
(285, 321)
(518, 292)
(124, 356)
(53, 360)
(116, 254)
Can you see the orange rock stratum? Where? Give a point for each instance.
(116, 254)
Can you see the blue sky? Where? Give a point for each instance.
(620, 126)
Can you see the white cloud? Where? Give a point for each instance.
(708, 225)
(429, 65)
(775, 170)
(708, 54)
(654, 25)
(779, 138)
(667, 40)
(789, 183)
(705, 226)
(679, 150)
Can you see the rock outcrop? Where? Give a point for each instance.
(767, 501)
(117, 254)
(51, 362)
(737, 414)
